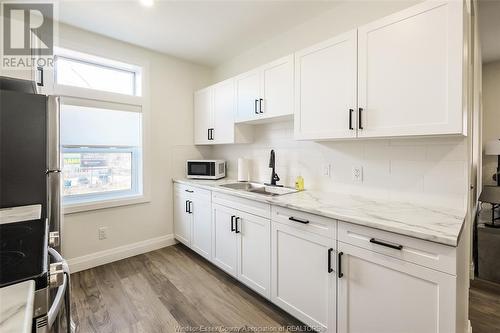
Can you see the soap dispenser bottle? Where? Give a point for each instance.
(299, 183)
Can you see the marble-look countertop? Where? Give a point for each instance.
(16, 307)
(435, 224)
(21, 213)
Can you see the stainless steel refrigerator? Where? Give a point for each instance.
(30, 174)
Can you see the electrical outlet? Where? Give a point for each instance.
(326, 170)
(103, 233)
(357, 174)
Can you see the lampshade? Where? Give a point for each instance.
(492, 147)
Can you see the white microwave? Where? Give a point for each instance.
(206, 169)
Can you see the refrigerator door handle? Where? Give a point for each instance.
(53, 172)
(54, 202)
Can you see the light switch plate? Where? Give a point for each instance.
(103, 233)
(357, 174)
(326, 170)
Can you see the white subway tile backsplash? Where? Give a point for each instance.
(408, 153)
(422, 170)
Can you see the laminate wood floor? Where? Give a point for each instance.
(164, 291)
(484, 306)
(172, 288)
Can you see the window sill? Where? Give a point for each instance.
(103, 204)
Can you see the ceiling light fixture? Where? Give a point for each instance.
(147, 3)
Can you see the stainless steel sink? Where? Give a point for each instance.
(260, 188)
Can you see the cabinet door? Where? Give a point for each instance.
(201, 208)
(410, 72)
(254, 252)
(223, 112)
(203, 108)
(325, 89)
(301, 282)
(224, 241)
(277, 88)
(247, 96)
(378, 293)
(182, 218)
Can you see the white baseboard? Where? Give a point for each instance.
(470, 327)
(103, 257)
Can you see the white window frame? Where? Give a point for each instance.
(109, 100)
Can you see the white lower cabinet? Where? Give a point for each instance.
(224, 241)
(193, 218)
(333, 276)
(182, 218)
(241, 247)
(303, 275)
(201, 211)
(381, 294)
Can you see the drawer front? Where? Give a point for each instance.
(304, 221)
(249, 206)
(192, 191)
(428, 254)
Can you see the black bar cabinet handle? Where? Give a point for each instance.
(189, 191)
(40, 83)
(208, 134)
(360, 118)
(330, 269)
(260, 105)
(255, 107)
(350, 119)
(392, 246)
(291, 218)
(232, 222)
(339, 263)
(187, 209)
(236, 227)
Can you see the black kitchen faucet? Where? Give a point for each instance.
(272, 164)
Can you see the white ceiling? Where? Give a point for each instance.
(489, 29)
(204, 32)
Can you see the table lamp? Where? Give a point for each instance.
(493, 148)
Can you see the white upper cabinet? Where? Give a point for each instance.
(325, 89)
(400, 76)
(277, 88)
(410, 72)
(214, 116)
(247, 96)
(223, 113)
(265, 93)
(203, 120)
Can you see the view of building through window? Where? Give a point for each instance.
(85, 173)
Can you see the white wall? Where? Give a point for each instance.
(172, 82)
(344, 16)
(428, 170)
(491, 116)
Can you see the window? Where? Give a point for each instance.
(101, 152)
(80, 70)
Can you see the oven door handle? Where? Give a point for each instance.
(58, 301)
(62, 295)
